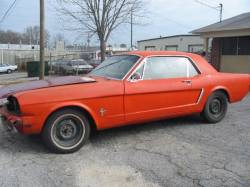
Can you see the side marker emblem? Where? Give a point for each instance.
(102, 112)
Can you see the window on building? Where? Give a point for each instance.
(149, 48)
(168, 67)
(229, 46)
(244, 45)
(171, 47)
(195, 48)
(236, 46)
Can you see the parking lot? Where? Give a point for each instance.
(13, 78)
(176, 152)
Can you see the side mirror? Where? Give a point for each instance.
(136, 76)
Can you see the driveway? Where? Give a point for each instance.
(178, 152)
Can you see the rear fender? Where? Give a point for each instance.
(222, 88)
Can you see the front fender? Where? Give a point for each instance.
(35, 116)
(72, 104)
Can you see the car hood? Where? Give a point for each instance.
(53, 82)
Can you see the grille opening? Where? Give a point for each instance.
(13, 105)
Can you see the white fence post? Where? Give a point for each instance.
(2, 56)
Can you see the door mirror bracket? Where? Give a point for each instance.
(135, 77)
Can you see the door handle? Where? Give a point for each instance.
(187, 81)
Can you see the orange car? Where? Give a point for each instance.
(126, 89)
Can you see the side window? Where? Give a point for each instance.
(168, 67)
(192, 70)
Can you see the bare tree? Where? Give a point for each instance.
(10, 37)
(32, 35)
(58, 37)
(29, 36)
(99, 17)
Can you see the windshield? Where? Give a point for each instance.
(115, 67)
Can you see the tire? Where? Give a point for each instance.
(216, 107)
(9, 71)
(66, 131)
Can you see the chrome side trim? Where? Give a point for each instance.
(201, 96)
(184, 56)
(128, 74)
(144, 61)
(139, 64)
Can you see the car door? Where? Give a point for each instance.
(164, 89)
(3, 68)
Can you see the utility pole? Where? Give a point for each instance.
(2, 57)
(42, 24)
(221, 11)
(131, 45)
(88, 41)
(220, 8)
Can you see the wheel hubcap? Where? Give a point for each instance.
(68, 130)
(215, 107)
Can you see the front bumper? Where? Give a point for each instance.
(10, 121)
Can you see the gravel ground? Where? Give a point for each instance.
(178, 152)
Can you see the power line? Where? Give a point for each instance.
(8, 10)
(178, 23)
(205, 4)
(217, 8)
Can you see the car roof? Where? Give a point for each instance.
(160, 53)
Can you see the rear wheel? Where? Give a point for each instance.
(216, 107)
(66, 131)
(9, 71)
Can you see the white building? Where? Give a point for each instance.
(186, 43)
(19, 47)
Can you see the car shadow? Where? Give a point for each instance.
(109, 134)
(34, 144)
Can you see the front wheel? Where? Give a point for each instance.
(216, 107)
(66, 131)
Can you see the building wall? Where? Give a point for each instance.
(10, 56)
(227, 33)
(216, 53)
(235, 54)
(19, 47)
(181, 43)
(235, 64)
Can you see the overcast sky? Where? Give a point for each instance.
(165, 17)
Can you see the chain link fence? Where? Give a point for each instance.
(59, 62)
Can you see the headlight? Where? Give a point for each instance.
(13, 105)
(3, 102)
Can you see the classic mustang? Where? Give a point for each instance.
(126, 89)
